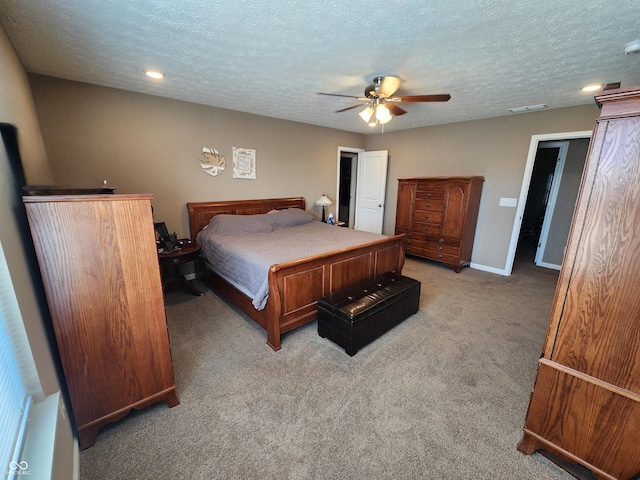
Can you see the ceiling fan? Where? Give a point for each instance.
(381, 103)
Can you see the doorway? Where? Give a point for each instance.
(537, 196)
(541, 198)
(361, 188)
(347, 175)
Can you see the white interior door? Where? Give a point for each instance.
(371, 190)
(551, 203)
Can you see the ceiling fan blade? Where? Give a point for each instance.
(423, 98)
(395, 109)
(349, 108)
(388, 86)
(346, 96)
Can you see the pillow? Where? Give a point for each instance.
(289, 217)
(226, 224)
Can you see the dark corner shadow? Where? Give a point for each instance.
(16, 181)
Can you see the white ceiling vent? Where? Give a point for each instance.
(528, 108)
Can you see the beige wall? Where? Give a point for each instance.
(495, 148)
(150, 144)
(17, 109)
(145, 143)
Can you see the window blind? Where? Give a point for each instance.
(18, 375)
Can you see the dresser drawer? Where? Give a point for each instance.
(414, 242)
(426, 216)
(430, 204)
(413, 250)
(430, 190)
(442, 246)
(411, 234)
(441, 257)
(426, 228)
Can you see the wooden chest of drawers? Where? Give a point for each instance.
(438, 217)
(99, 267)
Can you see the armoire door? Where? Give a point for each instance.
(454, 211)
(404, 209)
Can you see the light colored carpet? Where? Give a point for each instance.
(442, 396)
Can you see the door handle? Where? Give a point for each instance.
(380, 205)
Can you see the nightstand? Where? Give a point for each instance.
(170, 266)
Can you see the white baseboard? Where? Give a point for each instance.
(552, 266)
(76, 460)
(485, 268)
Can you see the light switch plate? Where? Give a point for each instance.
(508, 202)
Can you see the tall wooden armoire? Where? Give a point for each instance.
(438, 217)
(99, 266)
(585, 405)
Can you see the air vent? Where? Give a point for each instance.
(529, 108)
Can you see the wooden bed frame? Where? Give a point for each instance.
(296, 286)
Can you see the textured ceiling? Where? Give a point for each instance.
(272, 57)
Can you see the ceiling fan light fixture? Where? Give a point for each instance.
(380, 104)
(383, 115)
(366, 114)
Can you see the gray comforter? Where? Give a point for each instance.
(242, 248)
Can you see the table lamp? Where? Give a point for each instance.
(323, 201)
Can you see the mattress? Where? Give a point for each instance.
(242, 248)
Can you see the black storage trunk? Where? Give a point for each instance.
(355, 316)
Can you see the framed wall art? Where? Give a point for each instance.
(244, 163)
(211, 161)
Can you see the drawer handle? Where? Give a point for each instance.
(427, 217)
(439, 256)
(408, 242)
(428, 204)
(425, 227)
(429, 195)
(441, 240)
(440, 248)
(409, 234)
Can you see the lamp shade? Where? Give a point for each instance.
(366, 114)
(323, 201)
(383, 115)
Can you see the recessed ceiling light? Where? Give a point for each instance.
(156, 75)
(592, 88)
(632, 47)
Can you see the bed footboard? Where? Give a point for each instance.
(295, 287)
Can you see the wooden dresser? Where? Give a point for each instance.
(100, 271)
(438, 217)
(585, 404)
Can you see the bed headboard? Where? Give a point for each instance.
(201, 212)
